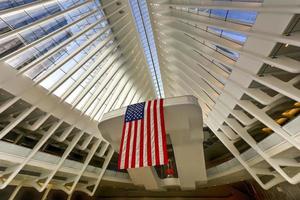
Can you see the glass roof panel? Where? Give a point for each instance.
(140, 12)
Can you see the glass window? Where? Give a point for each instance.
(4, 28)
(233, 55)
(83, 101)
(7, 46)
(53, 8)
(64, 87)
(80, 56)
(39, 69)
(218, 13)
(17, 21)
(66, 3)
(238, 37)
(28, 36)
(53, 78)
(39, 32)
(84, 9)
(37, 13)
(57, 57)
(62, 36)
(214, 30)
(74, 14)
(69, 65)
(45, 46)
(74, 94)
(61, 21)
(234, 36)
(247, 17)
(22, 60)
(49, 27)
(6, 4)
(140, 11)
(21, 2)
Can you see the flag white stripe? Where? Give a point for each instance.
(160, 145)
(124, 147)
(138, 138)
(131, 144)
(145, 136)
(152, 133)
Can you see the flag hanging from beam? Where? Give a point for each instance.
(143, 140)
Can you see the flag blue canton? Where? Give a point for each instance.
(135, 112)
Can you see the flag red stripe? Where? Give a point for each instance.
(149, 156)
(128, 146)
(134, 144)
(163, 131)
(156, 133)
(142, 144)
(121, 146)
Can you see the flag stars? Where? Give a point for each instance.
(135, 112)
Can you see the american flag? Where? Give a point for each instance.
(143, 140)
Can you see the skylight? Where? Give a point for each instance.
(141, 15)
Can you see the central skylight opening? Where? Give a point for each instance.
(141, 15)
